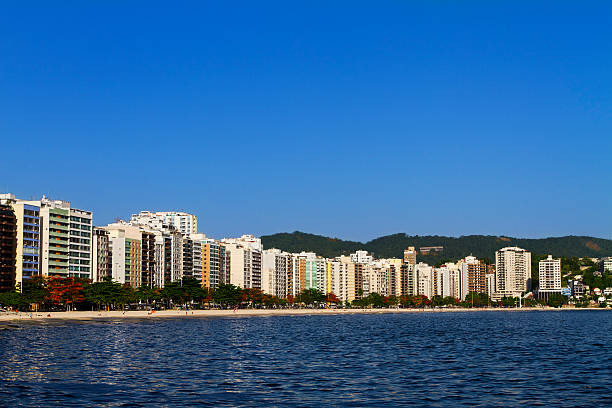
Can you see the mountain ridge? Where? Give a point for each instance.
(482, 246)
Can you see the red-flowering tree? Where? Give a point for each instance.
(332, 298)
(65, 291)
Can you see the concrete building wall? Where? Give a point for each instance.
(513, 271)
(549, 275)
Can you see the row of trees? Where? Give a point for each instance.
(57, 293)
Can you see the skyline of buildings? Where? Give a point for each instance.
(50, 237)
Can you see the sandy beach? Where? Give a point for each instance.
(102, 315)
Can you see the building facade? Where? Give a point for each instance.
(512, 272)
(8, 248)
(549, 276)
(183, 222)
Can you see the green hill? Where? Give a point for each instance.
(454, 247)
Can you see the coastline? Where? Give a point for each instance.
(128, 315)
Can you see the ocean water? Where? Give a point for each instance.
(416, 359)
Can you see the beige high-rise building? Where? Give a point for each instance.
(473, 276)
(353, 285)
(215, 264)
(512, 272)
(410, 255)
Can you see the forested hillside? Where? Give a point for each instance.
(482, 246)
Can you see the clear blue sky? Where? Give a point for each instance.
(349, 119)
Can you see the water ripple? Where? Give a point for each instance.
(443, 359)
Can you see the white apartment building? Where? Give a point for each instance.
(247, 241)
(184, 222)
(337, 273)
(376, 280)
(490, 284)
(245, 264)
(425, 279)
(549, 275)
(361, 257)
(512, 272)
(445, 282)
(275, 264)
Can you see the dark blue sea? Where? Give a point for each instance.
(485, 359)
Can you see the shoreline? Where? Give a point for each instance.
(143, 314)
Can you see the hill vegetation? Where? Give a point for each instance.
(481, 246)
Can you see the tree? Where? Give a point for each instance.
(127, 295)
(437, 300)
(508, 301)
(332, 298)
(13, 299)
(450, 301)
(556, 300)
(391, 300)
(173, 292)
(105, 293)
(35, 290)
(148, 295)
(227, 294)
(192, 290)
(252, 295)
(310, 296)
(65, 291)
(475, 299)
(375, 299)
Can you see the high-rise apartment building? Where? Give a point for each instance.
(361, 257)
(425, 280)
(8, 247)
(245, 265)
(315, 272)
(184, 222)
(394, 267)
(274, 272)
(376, 279)
(101, 262)
(473, 276)
(65, 239)
(410, 255)
(125, 244)
(148, 259)
(407, 279)
(512, 272)
(53, 238)
(79, 258)
(215, 264)
(549, 276)
(353, 285)
(28, 237)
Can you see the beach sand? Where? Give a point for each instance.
(102, 315)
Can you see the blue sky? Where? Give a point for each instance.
(346, 119)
